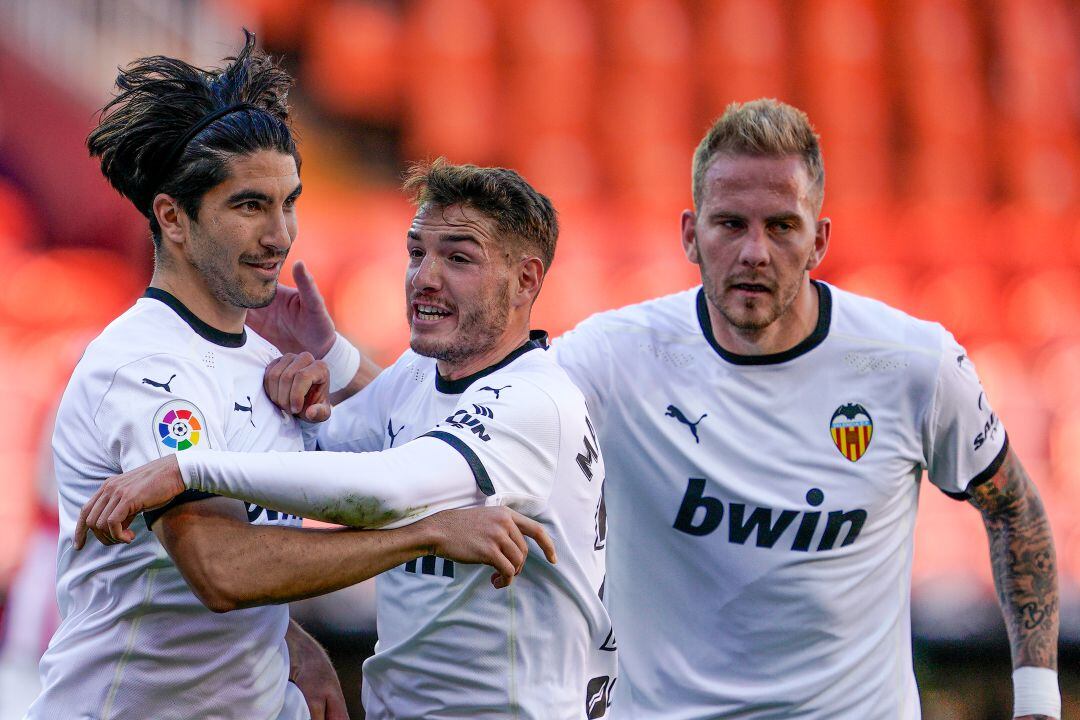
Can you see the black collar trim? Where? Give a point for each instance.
(207, 332)
(821, 331)
(538, 340)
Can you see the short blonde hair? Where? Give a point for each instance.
(764, 127)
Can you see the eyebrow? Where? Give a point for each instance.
(249, 194)
(453, 237)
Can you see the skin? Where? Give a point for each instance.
(756, 236)
(1024, 564)
(460, 264)
(311, 670)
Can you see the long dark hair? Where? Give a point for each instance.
(153, 136)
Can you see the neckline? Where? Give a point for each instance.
(811, 341)
(201, 328)
(538, 340)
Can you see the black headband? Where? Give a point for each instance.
(178, 147)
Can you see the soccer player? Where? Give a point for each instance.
(475, 413)
(208, 156)
(765, 435)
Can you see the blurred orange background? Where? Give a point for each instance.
(952, 153)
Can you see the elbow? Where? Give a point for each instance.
(214, 591)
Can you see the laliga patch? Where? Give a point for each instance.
(851, 428)
(179, 425)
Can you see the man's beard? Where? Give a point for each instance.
(478, 330)
(222, 275)
(769, 307)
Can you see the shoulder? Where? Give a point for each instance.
(671, 316)
(534, 383)
(871, 322)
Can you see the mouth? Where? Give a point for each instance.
(751, 288)
(428, 313)
(265, 270)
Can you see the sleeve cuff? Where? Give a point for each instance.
(483, 481)
(151, 516)
(985, 476)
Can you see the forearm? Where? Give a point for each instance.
(357, 489)
(231, 564)
(1024, 565)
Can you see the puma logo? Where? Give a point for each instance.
(163, 385)
(495, 390)
(676, 413)
(391, 432)
(237, 407)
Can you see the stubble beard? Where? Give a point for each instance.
(478, 330)
(221, 274)
(742, 315)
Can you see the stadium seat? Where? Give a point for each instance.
(353, 60)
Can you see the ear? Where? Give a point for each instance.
(530, 277)
(821, 243)
(172, 219)
(689, 237)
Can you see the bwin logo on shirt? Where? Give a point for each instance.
(700, 514)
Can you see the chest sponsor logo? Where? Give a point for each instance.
(163, 385)
(700, 514)
(179, 425)
(431, 565)
(237, 407)
(674, 412)
(851, 428)
(598, 696)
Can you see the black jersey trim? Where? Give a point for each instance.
(203, 330)
(480, 474)
(811, 341)
(151, 516)
(538, 340)
(985, 476)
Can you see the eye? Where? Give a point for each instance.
(251, 206)
(783, 227)
(416, 253)
(460, 259)
(732, 224)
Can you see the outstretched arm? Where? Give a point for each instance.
(231, 564)
(1024, 565)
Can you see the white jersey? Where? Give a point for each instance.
(134, 642)
(451, 645)
(761, 508)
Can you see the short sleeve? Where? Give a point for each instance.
(584, 353)
(157, 406)
(510, 443)
(964, 441)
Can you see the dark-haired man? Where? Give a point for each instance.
(209, 158)
(474, 413)
(765, 436)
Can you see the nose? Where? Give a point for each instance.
(428, 276)
(279, 235)
(754, 251)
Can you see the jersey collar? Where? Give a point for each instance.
(211, 334)
(821, 331)
(538, 340)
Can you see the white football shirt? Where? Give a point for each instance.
(134, 642)
(451, 645)
(761, 508)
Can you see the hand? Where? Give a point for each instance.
(310, 668)
(297, 320)
(493, 536)
(299, 385)
(120, 498)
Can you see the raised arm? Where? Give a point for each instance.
(1025, 575)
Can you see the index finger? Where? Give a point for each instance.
(81, 524)
(305, 284)
(536, 531)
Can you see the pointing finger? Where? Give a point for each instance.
(536, 531)
(305, 284)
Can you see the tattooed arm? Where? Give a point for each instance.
(1024, 563)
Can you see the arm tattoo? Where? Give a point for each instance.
(1024, 562)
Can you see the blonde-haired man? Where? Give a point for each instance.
(766, 475)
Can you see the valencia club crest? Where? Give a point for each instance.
(851, 429)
